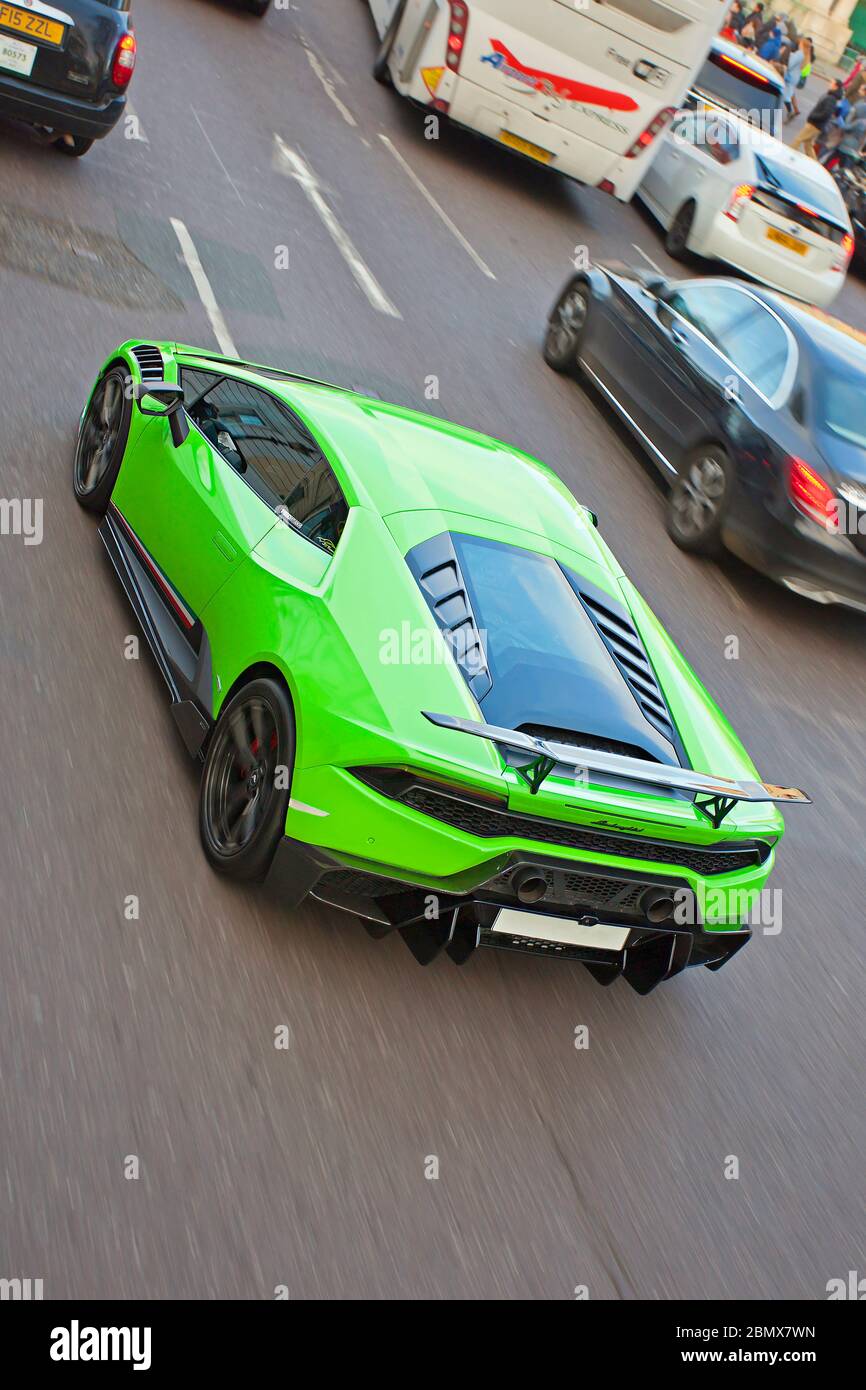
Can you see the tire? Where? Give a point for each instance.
(78, 147)
(242, 812)
(102, 441)
(380, 65)
(676, 240)
(699, 501)
(566, 326)
(257, 7)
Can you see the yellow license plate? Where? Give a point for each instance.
(34, 26)
(517, 142)
(793, 243)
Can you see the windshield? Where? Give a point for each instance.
(752, 95)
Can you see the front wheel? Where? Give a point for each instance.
(565, 328)
(699, 501)
(244, 794)
(102, 441)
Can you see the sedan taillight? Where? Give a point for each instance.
(812, 495)
(738, 199)
(124, 61)
(457, 27)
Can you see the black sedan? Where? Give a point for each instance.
(752, 407)
(65, 67)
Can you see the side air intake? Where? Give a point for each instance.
(150, 362)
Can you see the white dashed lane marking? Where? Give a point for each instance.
(205, 291)
(294, 166)
(437, 207)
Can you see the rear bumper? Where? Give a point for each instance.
(767, 262)
(23, 101)
(459, 915)
(827, 570)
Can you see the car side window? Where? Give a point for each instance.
(719, 141)
(266, 443)
(744, 330)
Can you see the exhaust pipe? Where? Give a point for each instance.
(529, 885)
(657, 905)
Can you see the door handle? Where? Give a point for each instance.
(224, 546)
(679, 337)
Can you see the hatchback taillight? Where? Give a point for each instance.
(457, 27)
(124, 61)
(647, 136)
(844, 254)
(738, 199)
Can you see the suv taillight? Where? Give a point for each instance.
(647, 136)
(124, 60)
(457, 27)
(738, 199)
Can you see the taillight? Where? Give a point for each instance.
(457, 27)
(844, 254)
(738, 199)
(812, 495)
(647, 136)
(124, 61)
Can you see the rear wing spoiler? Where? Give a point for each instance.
(714, 796)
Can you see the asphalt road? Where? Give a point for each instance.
(154, 1038)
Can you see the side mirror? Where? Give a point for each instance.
(162, 398)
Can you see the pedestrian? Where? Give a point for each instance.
(827, 146)
(772, 46)
(817, 120)
(853, 135)
(792, 74)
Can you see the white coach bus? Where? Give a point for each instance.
(582, 85)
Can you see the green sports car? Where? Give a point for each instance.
(420, 685)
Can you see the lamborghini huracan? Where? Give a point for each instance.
(420, 686)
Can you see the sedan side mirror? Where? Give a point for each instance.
(163, 398)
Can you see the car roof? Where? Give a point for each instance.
(747, 58)
(826, 335)
(399, 460)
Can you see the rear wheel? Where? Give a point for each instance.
(699, 501)
(102, 441)
(73, 145)
(677, 239)
(565, 328)
(244, 794)
(381, 71)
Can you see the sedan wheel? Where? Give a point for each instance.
(699, 501)
(565, 328)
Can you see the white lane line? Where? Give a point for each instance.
(647, 258)
(205, 292)
(216, 155)
(134, 128)
(437, 208)
(289, 162)
(330, 90)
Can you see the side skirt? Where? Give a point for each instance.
(183, 669)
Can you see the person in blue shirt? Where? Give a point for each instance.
(771, 47)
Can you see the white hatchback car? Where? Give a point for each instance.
(722, 188)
